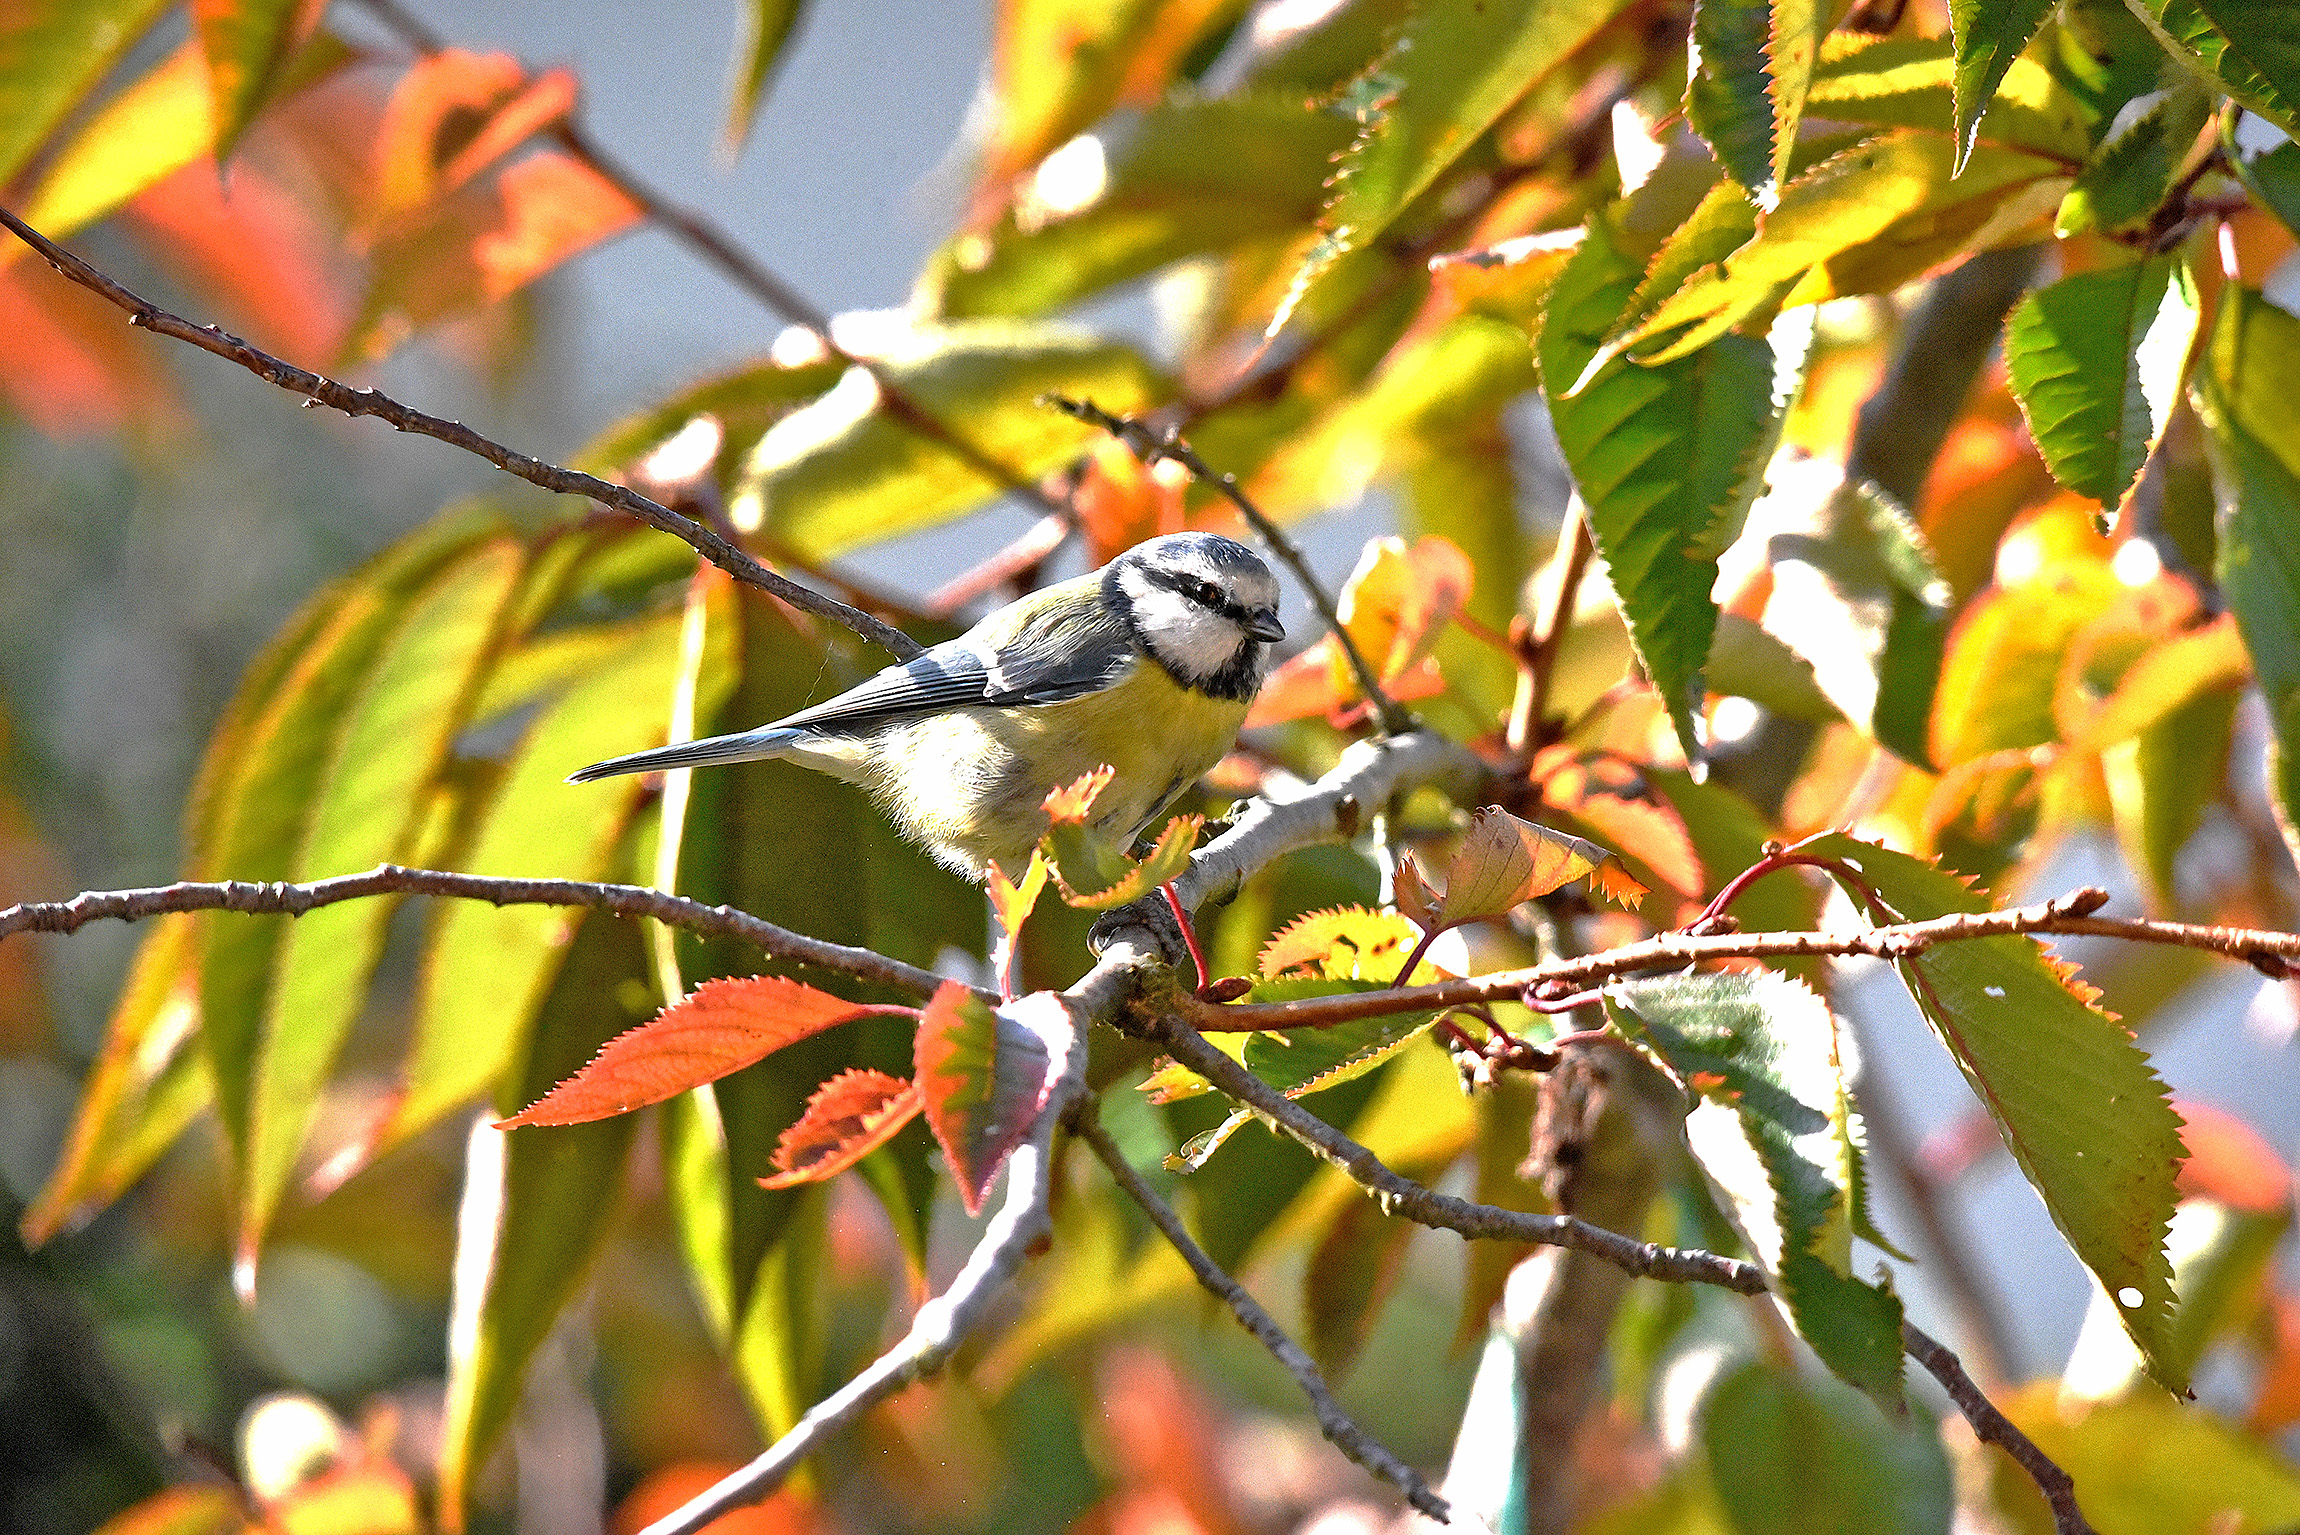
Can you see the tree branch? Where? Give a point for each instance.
(1402, 1196)
(1337, 1425)
(1993, 1427)
(370, 402)
(293, 900)
(2274, 953)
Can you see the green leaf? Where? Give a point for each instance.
(247, 44)
(2162, 780)
(1726, 99)
(1860, 599)
(2126, 181)
(1056, 66)
(2249, 398)
(1794, 1457)
(1774, 1129)
(843, 472)
(1997, 682)
(745, 403)
(2083, 1114)
(2247, 47)
(2096, 362)
(2143, 1462)
(1667, 457)
(2267, 162)
(1198, 174)
(549, 1191)
(486, 969)
(1908, 82)
(766, 27)
(1312, 1060)
(53, 55)
(1353, 1267)
(1449, 75)
(1988, 38)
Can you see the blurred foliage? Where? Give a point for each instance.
(1405, 257)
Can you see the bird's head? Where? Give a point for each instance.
(1204, 607)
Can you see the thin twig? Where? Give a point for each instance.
(1150, 446)
(1993, 1427)
(370, 402)
(751, 275)
(1336, 1424)
(293, 900)
(2271, 952)
(1402, 1196)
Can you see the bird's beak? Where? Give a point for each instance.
(1264, 625)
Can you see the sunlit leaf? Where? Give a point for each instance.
(548, 1196)
(2003, 660)
(1774, 1129)
(2130, 174)
(1449, 75)
(1907, 82)
(843, 471)
(53, 54)
(1312, 1060)
(719, 1027)
(2079, 1107)
(1504, 861)
(984, 1076)
(2096, 362)
(1667, 459)
(2247, 46)
(1168, 856)
(2250, 399)
(849, 1117)
(1988, 38)
(187, 1510)
(1726, 100)
(1347, 943)
(2144, 1462)
(248, 44)
(766, 28)
(453, 115)
(152, 127)
(1056, 66)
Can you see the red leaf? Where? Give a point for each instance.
(849, 1117)
(255, 250)
(71, 366)
(721, 1027)
(985, 1076)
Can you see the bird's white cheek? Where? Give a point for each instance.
(1190, 638)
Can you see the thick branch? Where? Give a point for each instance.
(293, 900)
(2268, 951)
(1993, 1427)
(370, 402)
(1337, 1425)
(1402, 1196)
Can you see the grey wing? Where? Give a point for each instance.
(1045, 658)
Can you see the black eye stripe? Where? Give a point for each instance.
(1205, 593)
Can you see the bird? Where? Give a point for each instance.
(1147, 666)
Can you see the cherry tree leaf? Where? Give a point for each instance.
(983, 1077)
(849, 1117)
(1345, 943)
(248, 44)
(1504, 861)
(1988, 37)
(719, 1027)
(1133, 879)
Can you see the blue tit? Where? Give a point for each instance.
(1147, 665)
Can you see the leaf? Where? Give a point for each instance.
(1448, 76)
(2249, 397)
(1134, 879)
(1505, 861)
(538, 1206)
(2246, 47)
(53, 55)
(1011, 902)
(2145, 1463)
(247, 44)
(1198, 174)
(1312, 1060)
(985, 1076)
(1988, 38)
(1667, 459)
(2004, 657)
(1907, 82)
(1056, 66)
(146, 131)
(718, 1028)
(2161, 782)
(1790, 1455)
(849, 1117)
(378, 764)
(2096, 361)
(452, 116)
(1353, 1267)
(744, 403)
(185, 1510)
(486, 969)
(2074, 1097)
(2126, 182)
(1857, 595)
(1773, 1128)
(766, 27)
(1726, 100)
(2267, 162)
(1347, 943)
(843, 472)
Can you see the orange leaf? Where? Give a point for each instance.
(847, 1118)
(1068, 805)
(256, 251)
(1415, 899)
(1319, 681)
(2228, 1161)
(555, 206)
(2276, 1405)
(785, 1512)
(188, 1510)
(1611, 796)
(722, 1026)
(1505, 860)
(454, 114)
(70, 365)
(1398, 599)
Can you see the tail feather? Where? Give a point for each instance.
(715, 751)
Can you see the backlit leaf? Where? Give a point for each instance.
(2096, 362)
(1726, 99)
(842, 472)
(2003, 659)
(766, 27)
(1312, 1060)
(452, 116)
(849, 1117)
(1774, 1129)
(53, 54)
(2078, 1105)
(984, 1077)
(1907, 81)
(1056, 66)
(247, 44)
(1504, 861)
(2143, 1462)
(1667, 459)
(1347, 943)
(721, 1026)
(1167, 857)
(2130, 174)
